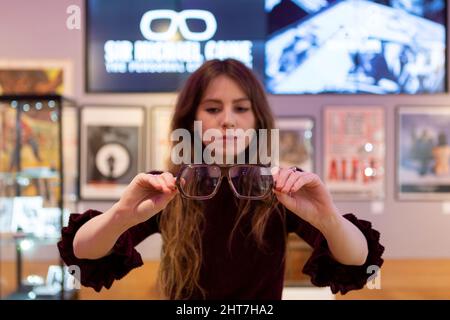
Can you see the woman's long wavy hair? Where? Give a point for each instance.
(182, 220)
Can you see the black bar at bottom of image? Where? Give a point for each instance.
(358, 309)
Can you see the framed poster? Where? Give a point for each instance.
(6, 213)
(296, 142)
(36, 77)
(8, 125)
(111, 149)
(423, 153)
(354, 152)
(25, 214)
(160, 121)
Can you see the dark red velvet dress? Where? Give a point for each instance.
(246, 273)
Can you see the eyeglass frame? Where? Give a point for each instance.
(224, 171)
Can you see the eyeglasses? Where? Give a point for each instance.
(202, 181)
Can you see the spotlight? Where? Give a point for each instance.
(26, 244)
(368, 147)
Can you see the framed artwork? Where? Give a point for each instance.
(160, 121)
(296, 144)
(423, 153)
(354, 152)
(30, 215)
(8, 125)
(25, 214)
(49, 222)
(6, 210)
(37, 77)
(111, 149)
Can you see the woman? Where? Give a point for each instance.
(222, 247)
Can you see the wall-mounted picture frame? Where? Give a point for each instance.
(423, 153)
(297, 142)
(6, 213)
(160, 121)
(112, 149)
(25, 214)
(43, 77)
(354, 152)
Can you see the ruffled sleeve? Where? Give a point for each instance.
(98, 273)
(323, 269)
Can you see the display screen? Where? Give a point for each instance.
(152, 46)
(294, 46)
(356, 46)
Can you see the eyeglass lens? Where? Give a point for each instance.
(247, 181)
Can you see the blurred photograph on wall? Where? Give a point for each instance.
(37, 77)
(354, 152)
(423, 152)
(6, 209)
(296, 142)
(8, 119)
(111, 149)
(25, 214)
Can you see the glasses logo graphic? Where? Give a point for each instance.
(178, 22)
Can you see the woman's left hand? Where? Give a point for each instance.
(304, 194)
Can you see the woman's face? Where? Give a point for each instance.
(226, 106)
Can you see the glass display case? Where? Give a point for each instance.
(38, 179)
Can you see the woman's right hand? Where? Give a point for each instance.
(146, 195)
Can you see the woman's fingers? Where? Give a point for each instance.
(169, 179)
(158, 183)
(303, 179)
(293, 178)
(289, 181)
(281, 177)
(163, 183)
(153, 181)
